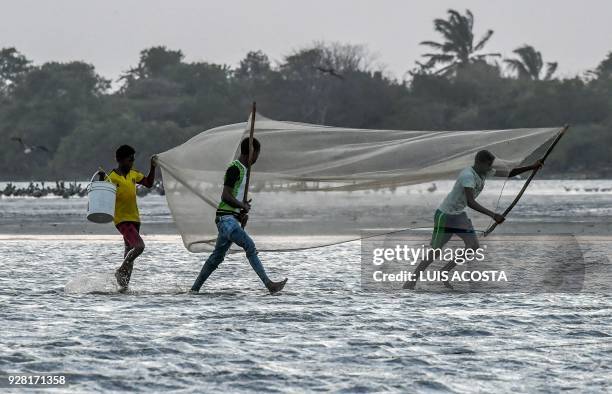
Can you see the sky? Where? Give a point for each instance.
(110, 34)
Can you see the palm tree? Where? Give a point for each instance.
(458, 48)
(530, 65)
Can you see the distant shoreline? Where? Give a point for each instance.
(553, 177)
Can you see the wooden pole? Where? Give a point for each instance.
(248, 174)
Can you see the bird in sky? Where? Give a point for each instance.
(27, 149)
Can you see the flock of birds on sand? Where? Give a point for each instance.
(73, 189)
(61, 189)
(76, 189)
(588, 189)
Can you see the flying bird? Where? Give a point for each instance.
(27, 149)
(329, 71)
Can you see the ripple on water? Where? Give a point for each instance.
(323, 334)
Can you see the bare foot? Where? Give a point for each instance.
(275, 287)
(122, 279)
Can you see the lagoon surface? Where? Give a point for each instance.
(324, 332)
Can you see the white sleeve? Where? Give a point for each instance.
(466, 179)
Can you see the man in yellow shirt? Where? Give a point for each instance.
(127, 218)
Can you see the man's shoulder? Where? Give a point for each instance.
(233, 166)
(468, 173)
(112, 175)
(232, 174)
(236, 164)
(136, 174)
(467, 177)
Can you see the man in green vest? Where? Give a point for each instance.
(231, 212)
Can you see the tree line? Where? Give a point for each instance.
(62, 120)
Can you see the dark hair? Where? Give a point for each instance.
(244, 146)
(124, 151)
(485, 156)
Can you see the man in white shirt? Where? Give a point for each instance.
(450, 217)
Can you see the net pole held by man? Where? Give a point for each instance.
(244, 215)
(535, 171)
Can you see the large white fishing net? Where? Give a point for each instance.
(321, 185)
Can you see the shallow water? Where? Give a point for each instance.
(322, 333)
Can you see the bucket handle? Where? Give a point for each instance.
(106, 178)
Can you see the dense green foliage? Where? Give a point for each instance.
(70, 110)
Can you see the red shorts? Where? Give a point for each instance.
(130, 232)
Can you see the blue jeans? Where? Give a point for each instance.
(230, 232)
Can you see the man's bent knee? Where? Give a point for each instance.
(137, 250)
(249, 248)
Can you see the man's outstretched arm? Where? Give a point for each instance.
(518, 170)
(149, 180)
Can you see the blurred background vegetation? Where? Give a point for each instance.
(63, 120)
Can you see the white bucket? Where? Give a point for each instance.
(101, 204)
